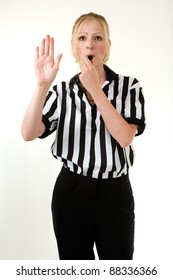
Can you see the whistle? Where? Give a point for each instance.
(90, 57)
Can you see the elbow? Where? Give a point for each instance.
(30, 134)
(27, 136)
(27, 139)
(127, 139)
(125, 142)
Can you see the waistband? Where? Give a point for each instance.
(66, 171)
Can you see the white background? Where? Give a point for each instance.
(142, 46)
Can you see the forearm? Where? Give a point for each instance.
(117, 126)
(32, 125)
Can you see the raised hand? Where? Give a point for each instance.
(46, 66)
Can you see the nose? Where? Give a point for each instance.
(89, 44)
(90, 48)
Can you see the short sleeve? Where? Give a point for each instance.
(50, 113)
(134, 108)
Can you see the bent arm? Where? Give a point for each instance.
(46, 68)
(117, 126)
(122, 131)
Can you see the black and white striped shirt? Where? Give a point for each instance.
(82, 141)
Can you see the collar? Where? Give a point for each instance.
(110, 76)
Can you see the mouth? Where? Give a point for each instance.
(90, 57)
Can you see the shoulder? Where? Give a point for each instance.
(111, 75)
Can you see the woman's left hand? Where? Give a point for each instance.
(89, 76)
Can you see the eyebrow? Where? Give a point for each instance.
(96, 33)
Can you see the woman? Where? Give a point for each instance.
(96, 117)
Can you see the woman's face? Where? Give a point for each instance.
(91, 39)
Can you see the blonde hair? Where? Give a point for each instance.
(87, 17)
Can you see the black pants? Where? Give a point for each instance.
(87, 210)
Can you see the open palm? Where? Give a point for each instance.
(46, 67)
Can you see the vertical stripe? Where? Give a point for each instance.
(118, 162)
(72, 120)
(124, 94)
(121, 155)
(92, 150)
(52, 116)
(141, 100)
(118, 99)
(50, 105)
(82, 134)
(115, 89)
(67, 116)
(77, 126)
(97, 146)
(111, 90)
(131, 155)
(114, 157)
(109, 155)
(87, 143)
(102, 148)
(60, 128)
(133, 103)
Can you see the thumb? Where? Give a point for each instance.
(57, 61)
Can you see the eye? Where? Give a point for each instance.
(98, 38)
(82, 38)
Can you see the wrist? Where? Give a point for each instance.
(41, 92)
(43, 88)
(96, 92)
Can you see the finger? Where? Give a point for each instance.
(93, 61)
(42, 47)
(51, 51)
(36, 53)
(47, 45)
(87, 62)
(57, 61)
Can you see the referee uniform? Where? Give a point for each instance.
(92, 198)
